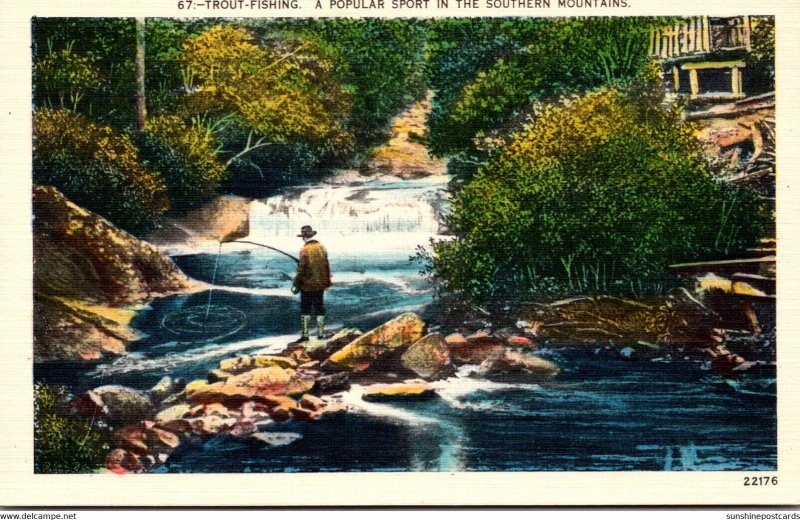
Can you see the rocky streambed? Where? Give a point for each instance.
(395, 362)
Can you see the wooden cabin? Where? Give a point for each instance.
(704, 56)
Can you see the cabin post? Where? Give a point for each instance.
(736, 81)
(694, 83)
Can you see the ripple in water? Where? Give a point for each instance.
(204, 322)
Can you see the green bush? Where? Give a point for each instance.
(63, 444)
(97, 167)
(597, 193)
(185, 156)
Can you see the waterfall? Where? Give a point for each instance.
(383, 215)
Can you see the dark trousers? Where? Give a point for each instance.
(311, 302)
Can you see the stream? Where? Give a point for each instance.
(602, 413)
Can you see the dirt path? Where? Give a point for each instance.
(403, 154)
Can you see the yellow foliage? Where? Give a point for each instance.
(273, 90)
(96, 166)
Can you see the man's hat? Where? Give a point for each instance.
(307, 232)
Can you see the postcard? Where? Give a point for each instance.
(399, 252)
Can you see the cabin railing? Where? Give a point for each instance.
(701, 35)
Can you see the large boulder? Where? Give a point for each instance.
(117, 404)
(398, 392)
(361, 353)
(251, 385)
(429, 358)
(84, 270)
(223, 219)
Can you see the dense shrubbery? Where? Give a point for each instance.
(96, 167)
(485, 72)
(63, 444)
(593, 193)
(186, 158)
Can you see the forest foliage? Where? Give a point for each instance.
(243, 106)
(571, 171)
(64, 443)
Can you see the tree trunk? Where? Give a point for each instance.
(141, 104)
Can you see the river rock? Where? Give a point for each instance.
(212, 424)
(398, 392)
(332, 383)
(321, 349)
(304, 414)
(362, 352)
(277, 438)
(216, 376)
(173, 413)
(132, 438)
(255, 412)
(125, 405)
(519, 363)
(120, 461)
(455, 339)
(163, 439)
(311, 402)
(165, 388)
(281, 413)
(241, 364)
(477, 350)
(89, 404)
(429, 358)
(520, 341)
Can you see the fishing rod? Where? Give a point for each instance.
(269, 247)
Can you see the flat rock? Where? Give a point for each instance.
(429, 358)
(519, 363)
(455, 339)
(241, 364)
(520, 341)
(173, 413)
(398, 392)
(361, 353)
(249, 385)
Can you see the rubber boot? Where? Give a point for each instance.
(305, 321)
(320, 327)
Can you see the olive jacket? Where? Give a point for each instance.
(313, 270)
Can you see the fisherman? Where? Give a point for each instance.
(313, 277)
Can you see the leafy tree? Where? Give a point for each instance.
(274, 94)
